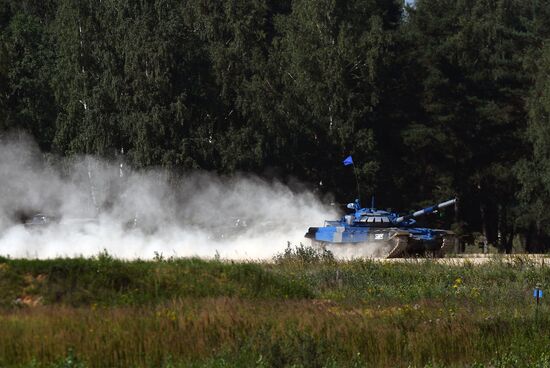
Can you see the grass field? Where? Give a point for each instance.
(303, 309)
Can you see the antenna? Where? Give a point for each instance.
(349, 161)
(356, 182)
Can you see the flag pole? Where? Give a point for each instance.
(349, 161)
(356, 182)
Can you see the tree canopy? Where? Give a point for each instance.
(433, 100)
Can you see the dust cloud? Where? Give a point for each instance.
(92, 206)
(369, 250)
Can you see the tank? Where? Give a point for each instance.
(369, 232)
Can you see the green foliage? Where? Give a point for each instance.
(534, 173)
(70, 361)
(472, 60)
(26, 57)
(188, 312)
(109, 281)
(303, 255)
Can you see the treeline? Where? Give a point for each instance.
(448, 97)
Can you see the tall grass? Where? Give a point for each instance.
(307, 333)
(304, 309)
(107, 281)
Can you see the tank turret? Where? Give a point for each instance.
(372, 232)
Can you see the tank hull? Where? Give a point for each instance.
(393, 242)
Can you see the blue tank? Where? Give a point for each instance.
(369, 232)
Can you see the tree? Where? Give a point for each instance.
(322, 83)
(534, 173)
(472, 56)
(238, 37)
(26, 55)
(131, 77)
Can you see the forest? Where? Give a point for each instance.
(433, 100)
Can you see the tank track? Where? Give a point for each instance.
(399, 243)
(450, 242)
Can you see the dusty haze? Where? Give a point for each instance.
(106, 206)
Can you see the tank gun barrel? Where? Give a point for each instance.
(427, 210)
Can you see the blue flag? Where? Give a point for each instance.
(348, 161)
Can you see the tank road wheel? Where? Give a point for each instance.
(448, 244)
(318, 245)
(398, 243)
(438, 253)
